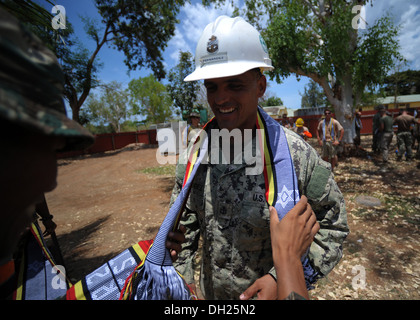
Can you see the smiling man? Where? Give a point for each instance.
(233, 99)
(228, 208)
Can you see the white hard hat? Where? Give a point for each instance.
(228, 47)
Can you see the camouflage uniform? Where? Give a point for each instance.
(404, 136)
(228, 209)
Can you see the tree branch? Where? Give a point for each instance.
(321, 13)
(88, 85)
(322, 81)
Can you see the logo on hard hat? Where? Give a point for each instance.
(213, 44)
(263, 44)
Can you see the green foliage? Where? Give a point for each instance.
(183, 94)
(271, 102)
(38, 19)
(141, 29)
(313, 96)
(78, 64)
(303, 40)
(111, 107)
(376, 54)
(319, 40)
(99, 128)
(150, 98)
(130, 126)
(403, 83)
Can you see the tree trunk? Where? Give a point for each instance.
(342, 100)
(75, 111)
(344, 112)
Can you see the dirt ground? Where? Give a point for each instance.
(105, 203)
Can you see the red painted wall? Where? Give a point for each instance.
(113, 141)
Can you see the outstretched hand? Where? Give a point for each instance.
(295, 232)
(290, 239)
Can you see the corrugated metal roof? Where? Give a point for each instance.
(400, 99)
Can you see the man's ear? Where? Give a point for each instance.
(261, 86)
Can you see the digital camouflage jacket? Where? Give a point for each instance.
(227, 208)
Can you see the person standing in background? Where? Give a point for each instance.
(329, 133)
(387, 133)
(404, 136)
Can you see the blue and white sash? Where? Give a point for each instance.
(156, 278)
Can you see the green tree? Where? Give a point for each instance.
(183, 94)
(321, 40)
(112, 107)
(140, 29)
(79, 66)
(313, 96)
(150, 98)
(271, 102)
(36, 18)
(402, 83)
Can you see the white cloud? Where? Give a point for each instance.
(194, 17)
(406, 13)
(410, 35)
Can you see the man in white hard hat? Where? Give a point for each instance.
(229, 208)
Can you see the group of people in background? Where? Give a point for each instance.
(330, 132)
(407, 132)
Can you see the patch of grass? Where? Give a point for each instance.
(398, 205)
(160, 170)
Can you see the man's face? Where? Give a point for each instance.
(195, 121)
(234, 100)
(328, 115)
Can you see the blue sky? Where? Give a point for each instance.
(193, 18)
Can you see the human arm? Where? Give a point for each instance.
(318, 134)
(328, 204)
(316, 182)
(341, 134)
(290, 238)
(175, 240)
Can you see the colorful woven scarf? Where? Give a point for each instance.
(109, 280)
(329, 127)
(155, 277)
(38, 273)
